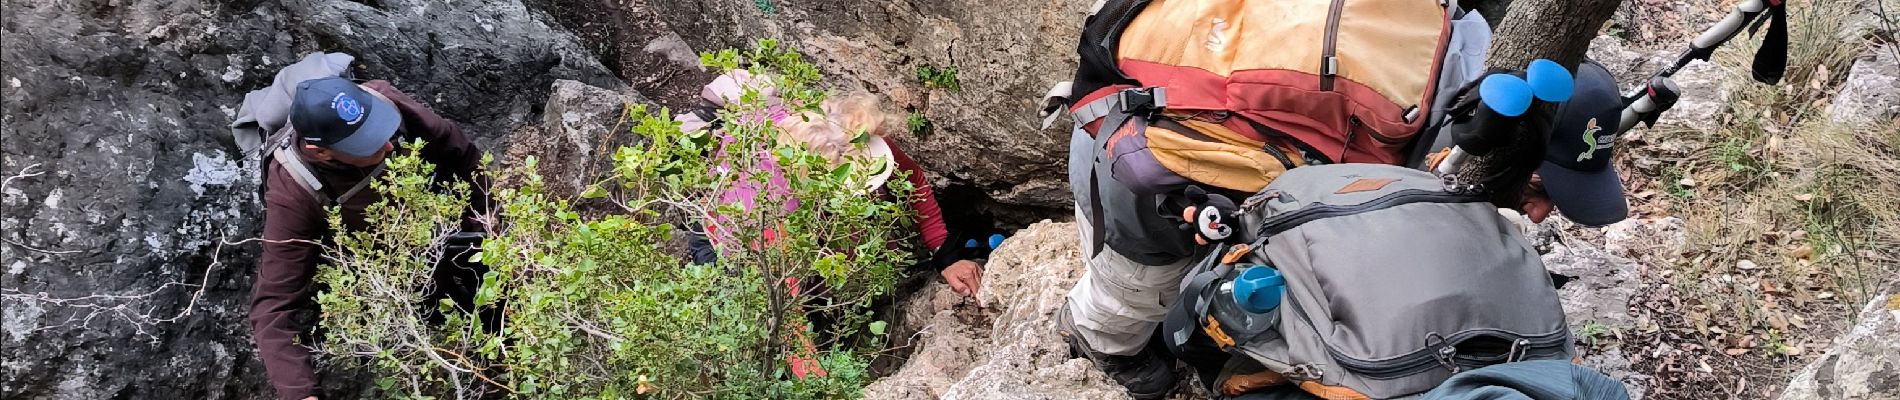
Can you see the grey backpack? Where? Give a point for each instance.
(1391, 285)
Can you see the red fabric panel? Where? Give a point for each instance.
(1291, 102)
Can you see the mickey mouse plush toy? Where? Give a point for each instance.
(1209, 216)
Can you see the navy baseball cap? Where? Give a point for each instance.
(1577, 169)
(336, 114)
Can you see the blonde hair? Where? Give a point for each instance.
(829, 134)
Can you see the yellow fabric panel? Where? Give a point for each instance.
(1221, 133)
(1390, 46)
(1242, 168)
(1387, 45)
(1284, 34)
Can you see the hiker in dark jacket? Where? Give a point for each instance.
(343, 133)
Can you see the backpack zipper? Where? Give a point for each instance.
(1283, 222)
(1329, 60)
(1425, 359)
(1307, 153)
(1352, 128)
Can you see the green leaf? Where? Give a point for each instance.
(876, 327)
(594, 192)
(475, 258)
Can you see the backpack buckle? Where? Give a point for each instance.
(1143, 99)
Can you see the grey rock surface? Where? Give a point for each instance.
(1871, 93)
(1701, 82)
(1605, 273)
(1864, 363)
(580, 127)
(114, 124)
(1019, 355)
(1006, 54)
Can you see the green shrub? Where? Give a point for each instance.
(935, 77)
(601, 306)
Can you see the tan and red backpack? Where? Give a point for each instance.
(1232, 93)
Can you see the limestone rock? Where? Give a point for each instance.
(1600, 287)
(581, 125)
(1871, 93)
(1704, 96)
(1019, 355)
(1636, 238)
(1864, 361)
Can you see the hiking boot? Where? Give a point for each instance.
(1145, 374)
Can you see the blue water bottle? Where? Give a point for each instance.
(1257, 289)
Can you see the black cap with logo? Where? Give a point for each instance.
(1578, 172)
(336, 114)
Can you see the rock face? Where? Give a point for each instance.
(1871, 93)
(581, 125)
(1009, 350)
(1864, 363)
(1604, 276)
(1006, 55)
(1703, 95)
(114, 116)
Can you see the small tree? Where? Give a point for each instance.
(603, 306)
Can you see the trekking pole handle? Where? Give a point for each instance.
(1704, 44)
(1730, 25)
(1648, 103)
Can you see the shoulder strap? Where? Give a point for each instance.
(300, 173)
(362, 184)
(281, 149)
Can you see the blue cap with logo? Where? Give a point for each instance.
(1578, 173)
(336, 114)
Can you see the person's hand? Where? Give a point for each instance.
(1536, 205)
(964, 277)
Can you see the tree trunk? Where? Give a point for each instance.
(1559, 30)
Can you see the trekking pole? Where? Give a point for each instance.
(1659, 93)
(1650, 101)
(1770, 60)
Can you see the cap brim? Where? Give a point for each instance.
(879, 152)
(1593, 198)
(379, 125)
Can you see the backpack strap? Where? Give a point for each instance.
(347, 194)
(300, 173)
(1115, 108)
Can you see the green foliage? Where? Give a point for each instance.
(916, 124)
(1592, 332)
(601, 306)
(935, 77)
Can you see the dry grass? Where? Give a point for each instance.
(1791, 221)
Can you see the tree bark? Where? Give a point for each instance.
(1559, 30)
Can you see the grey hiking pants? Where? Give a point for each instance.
(1118, 302)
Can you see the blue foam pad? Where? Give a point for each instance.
(996, 240)
(1549, 81)
(1504, 94)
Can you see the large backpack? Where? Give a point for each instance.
(1391, 285)
(1231, 94)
